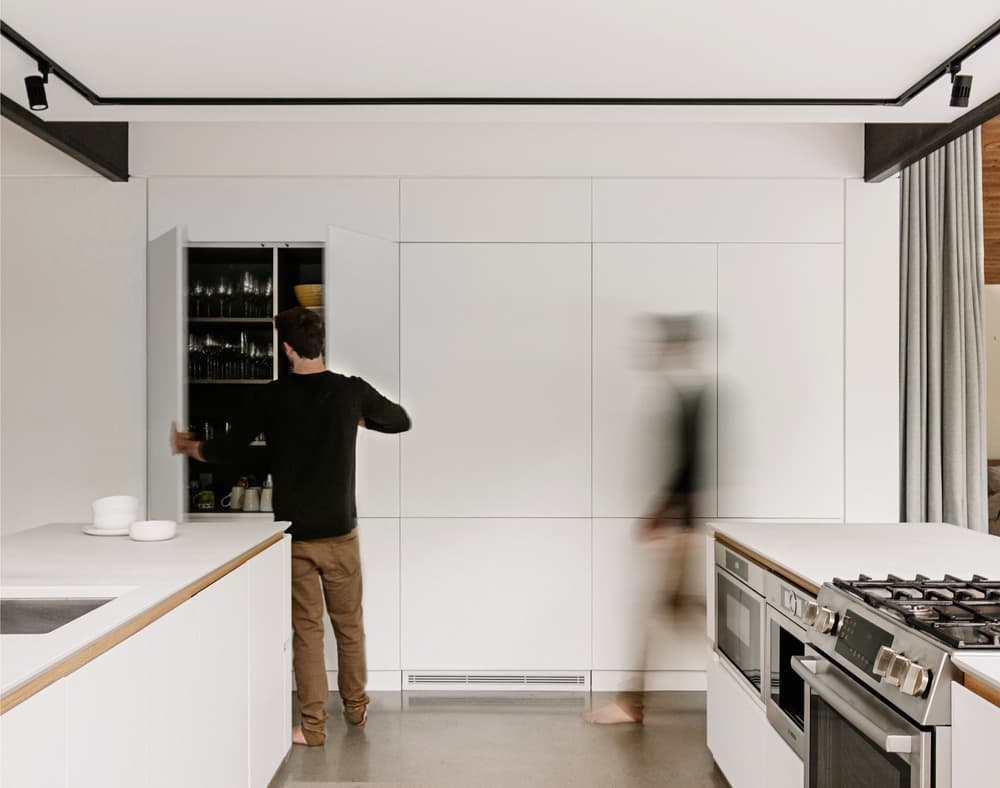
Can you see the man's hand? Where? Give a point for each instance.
(184, 443)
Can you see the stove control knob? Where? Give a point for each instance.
(826, 621)
(882, 659)
(810, 613)
(915, 680)
(898, 667)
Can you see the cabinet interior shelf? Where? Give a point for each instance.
(229, 319)
(241, 382)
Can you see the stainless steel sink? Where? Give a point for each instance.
(39, 616)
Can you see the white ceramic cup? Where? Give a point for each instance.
(115, 512)
(251, 499)
(267, 500)
(234, 500)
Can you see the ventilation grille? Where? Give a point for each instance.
(496, 679)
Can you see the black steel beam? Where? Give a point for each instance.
(101, 146)
(889, 147)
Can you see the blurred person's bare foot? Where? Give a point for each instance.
(612, 714)
(297, 736)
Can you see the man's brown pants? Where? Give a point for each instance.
(327, 570)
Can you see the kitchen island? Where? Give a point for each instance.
(801, 557)
(182, 678)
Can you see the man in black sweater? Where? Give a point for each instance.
(311, 419)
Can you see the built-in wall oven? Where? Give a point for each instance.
(739, 615)
(784, 689)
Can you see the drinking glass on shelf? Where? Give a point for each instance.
(196, 303)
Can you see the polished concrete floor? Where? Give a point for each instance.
(446, 740)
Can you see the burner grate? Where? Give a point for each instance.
(961, 613)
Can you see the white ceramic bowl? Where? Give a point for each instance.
(115, 511)
(152, 530)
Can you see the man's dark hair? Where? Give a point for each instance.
(302, 329)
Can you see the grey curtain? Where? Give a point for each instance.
(942, 352)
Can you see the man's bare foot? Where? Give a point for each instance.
(611, 714)
(297, 736)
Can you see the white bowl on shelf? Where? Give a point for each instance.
(152, 530)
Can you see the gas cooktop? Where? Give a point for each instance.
(963, 614)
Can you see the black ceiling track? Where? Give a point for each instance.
(101, 146)
(231, 101)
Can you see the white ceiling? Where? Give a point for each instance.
(515, 48)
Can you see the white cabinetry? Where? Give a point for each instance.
(737, 727)
(781, 381)
(520, 210)
(200, 696)
(784, 767)
(975, 730)
(495, 349)
(33, 740)
(361, 273)
(269, 716)
(719, 210)
(496, 594)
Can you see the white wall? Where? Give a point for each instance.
(73, 332)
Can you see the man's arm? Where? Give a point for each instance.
(381, 414)
(251, 422)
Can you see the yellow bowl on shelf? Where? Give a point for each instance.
(309, 295)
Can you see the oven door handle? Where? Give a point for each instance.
(811, 670)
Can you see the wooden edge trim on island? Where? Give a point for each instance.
(985, 691)
(805, 585)
(92, 651)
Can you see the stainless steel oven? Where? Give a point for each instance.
(784, 689)
(740, 615)
(854, 739)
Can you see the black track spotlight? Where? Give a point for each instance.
(35, 85)
(961, 86)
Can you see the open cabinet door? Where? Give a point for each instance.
(361, 276)
(166, 374)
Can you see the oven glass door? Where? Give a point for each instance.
(853, 738)
(843, 757)
(786, 691)
(739, 625)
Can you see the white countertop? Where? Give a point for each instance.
(984, 666)
(819, 552)
(58, 560)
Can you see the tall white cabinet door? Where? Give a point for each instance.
(496, 594)
(380, 572)
(633, 404)
(361, 273)
(166, 373)
(781, 380)
(495, 370)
